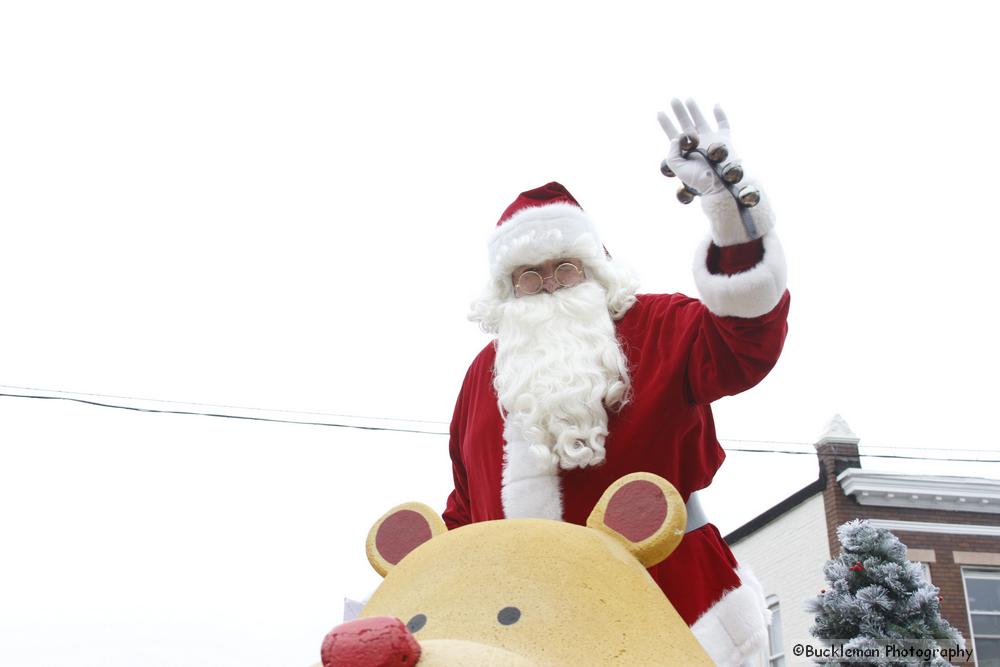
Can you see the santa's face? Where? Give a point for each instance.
(548, 276)
(559, 367)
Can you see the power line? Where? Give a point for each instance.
(992, 450)
(74, 399)
(223, 405)
(870, 456)
(368, 418)
(221, 415)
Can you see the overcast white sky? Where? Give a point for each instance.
(285, 206)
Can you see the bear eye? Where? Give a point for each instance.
(509, 615)
(416, 623)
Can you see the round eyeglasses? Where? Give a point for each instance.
(565, 275)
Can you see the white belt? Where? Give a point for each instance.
(696, 515)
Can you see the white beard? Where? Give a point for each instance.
(559, 368)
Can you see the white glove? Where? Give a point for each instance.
(732, 222)
(693, 169)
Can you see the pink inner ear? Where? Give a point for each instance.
(636, 511)
(401, 533)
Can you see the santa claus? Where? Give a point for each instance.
(588, 380)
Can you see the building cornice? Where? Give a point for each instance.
(928, 527)
(954, 494)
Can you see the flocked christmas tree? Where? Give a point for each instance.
(875, 597)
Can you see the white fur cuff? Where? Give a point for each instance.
(751, 293)
(735, 627)
(724, 217)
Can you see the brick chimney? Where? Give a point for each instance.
(837, 450)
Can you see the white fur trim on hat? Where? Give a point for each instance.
(724, 217)
(751, 293)
(735, 627)
(530, 479)
(538, 233)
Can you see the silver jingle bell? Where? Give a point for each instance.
(688, 142)
(749, 196)
(717, 152)
(686, 195)
(666, 170)
(732, 174)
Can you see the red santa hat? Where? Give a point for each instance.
(541, 224)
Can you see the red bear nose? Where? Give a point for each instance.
(379, 641)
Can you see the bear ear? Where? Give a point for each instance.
(645, 513)
(401, 530)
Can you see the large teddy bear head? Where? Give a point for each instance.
(521, 592)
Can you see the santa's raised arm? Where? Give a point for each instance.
(751, 278)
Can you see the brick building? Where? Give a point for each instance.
(951, 525)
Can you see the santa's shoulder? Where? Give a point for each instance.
(654, 314)
(657, 304)
(483, 362)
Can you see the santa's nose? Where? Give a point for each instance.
(379, 641)
(550, 284)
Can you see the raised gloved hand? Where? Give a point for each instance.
(704, 160)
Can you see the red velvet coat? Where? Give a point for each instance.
(681, 358)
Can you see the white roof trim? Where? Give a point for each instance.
(926, 527)
(956, 494)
